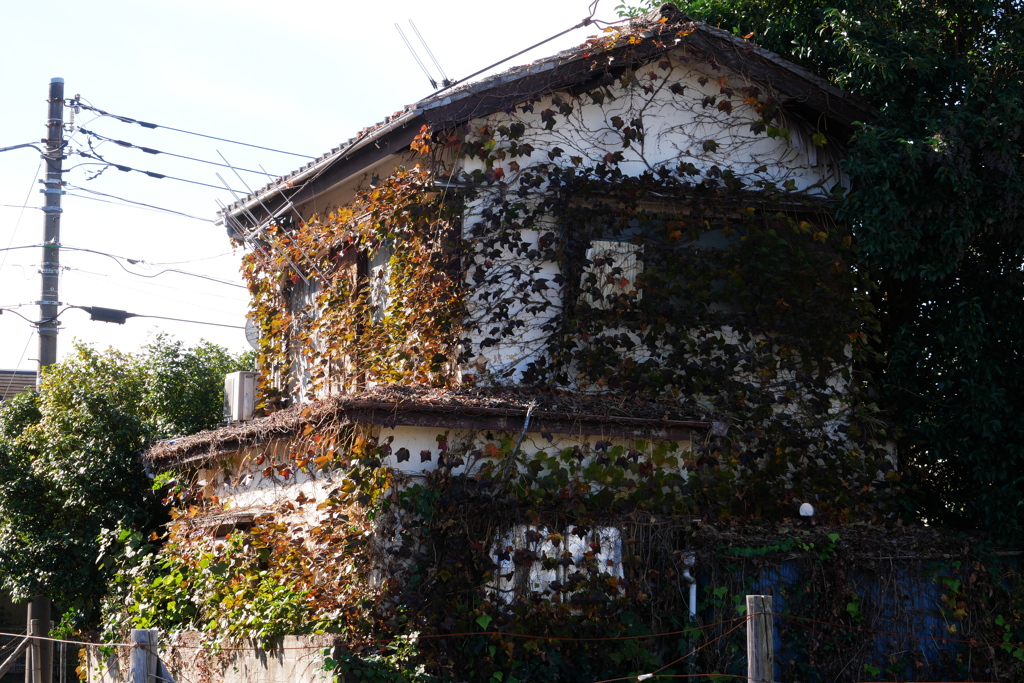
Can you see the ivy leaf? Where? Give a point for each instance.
(402, 455)
(484, 620)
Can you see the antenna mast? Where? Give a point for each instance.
(445, 81)
(433, 83)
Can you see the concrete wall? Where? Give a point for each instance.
(297, 659)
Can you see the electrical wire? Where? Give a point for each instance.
(133, 205)
(27, 246)
(17, 367)
(136, 315)
(235, 299)
(195, 260)
(585, 22)
(27, 144)
(151, 174)
(218, 313)
(421, 636)
(117, 259)
(21, 215)
(799, 620)
(745, 619)
(145, 124)
(150, 150)
(181, 320)
(33, 323)
(132, 261)
(140, 204)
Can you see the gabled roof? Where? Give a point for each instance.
(803, 93)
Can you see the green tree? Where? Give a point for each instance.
(938, 193)
(184, 387)
(70, 465)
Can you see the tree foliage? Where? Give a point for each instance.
(69, 458)
(938, 187)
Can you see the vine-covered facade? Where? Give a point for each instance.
(524, 346)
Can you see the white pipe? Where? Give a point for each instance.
(689, 559)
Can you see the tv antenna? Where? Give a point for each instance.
(445, 81)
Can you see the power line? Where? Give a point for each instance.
(27, 144)
(117, 259)
(141, 204)
(133, 261)
(145, 124)
(21, 215)
(195, 260)
(33, 323)
(197, 322)
(151, 174)
(585, 22)
(136, 205)
(114, 315)
(150, 150)
(27, 246)
(20, 359)
(235, 299)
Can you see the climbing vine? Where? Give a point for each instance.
(440, 580)
(659, 238)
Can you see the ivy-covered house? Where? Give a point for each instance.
(517, 342)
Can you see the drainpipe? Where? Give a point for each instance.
(690, 559)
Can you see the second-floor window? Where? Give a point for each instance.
(611, 273)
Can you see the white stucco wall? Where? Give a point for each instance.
(243, 488)
(669, 98)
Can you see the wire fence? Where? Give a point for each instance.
(189, 658)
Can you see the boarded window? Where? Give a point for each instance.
(379, 285)
(535, 559)
(611, 272)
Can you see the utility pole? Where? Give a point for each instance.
(39, 664)
(53, 191)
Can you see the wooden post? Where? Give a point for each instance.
(34, 657)
(9, 662)
(760, 640)
(142, 661)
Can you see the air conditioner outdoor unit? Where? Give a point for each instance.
(239, 389)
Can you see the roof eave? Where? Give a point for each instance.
(259, 199)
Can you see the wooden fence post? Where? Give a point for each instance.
(13, 657)
(33, 671)
(142, 661)
(760, 640)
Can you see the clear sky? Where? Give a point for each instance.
(300, 76)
